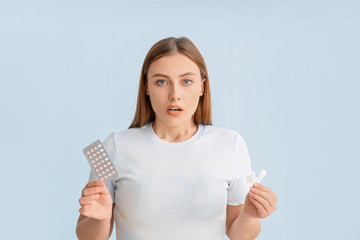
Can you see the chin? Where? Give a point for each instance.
(175, 121)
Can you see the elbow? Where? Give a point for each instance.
(78, 233)
(250, 233)
(257, 231)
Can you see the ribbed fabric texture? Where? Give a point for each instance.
(176, 190)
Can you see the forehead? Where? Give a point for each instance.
(173, 65)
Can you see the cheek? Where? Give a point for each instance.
(157, 101)
(195, 95)
(194, 101)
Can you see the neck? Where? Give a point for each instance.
(174, 133)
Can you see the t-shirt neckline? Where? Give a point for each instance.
(182, 144)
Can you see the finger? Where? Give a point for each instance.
(259, 192)
(93, 190)
(268, 204)
(261, 210)
(262, 187)
(95, 183)
(262, 201)
(85, 208)
(265, 195)
(86, 200)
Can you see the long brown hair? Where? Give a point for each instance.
(170, 46)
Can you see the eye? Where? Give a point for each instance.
(188, 82)
(157, 82)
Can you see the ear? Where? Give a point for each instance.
(202, 86)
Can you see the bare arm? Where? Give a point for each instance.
(244, 228)
(90, 228)
(96, 218)
(260, 202)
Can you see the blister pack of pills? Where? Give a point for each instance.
(250, 179)
(99, 161)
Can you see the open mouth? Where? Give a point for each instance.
(175, 108)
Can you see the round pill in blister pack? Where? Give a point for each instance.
(99, 161)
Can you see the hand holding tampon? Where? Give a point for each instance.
(260, 202)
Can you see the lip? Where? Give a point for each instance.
(175, 106)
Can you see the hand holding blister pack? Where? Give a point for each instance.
(250, 179)
(99, 161)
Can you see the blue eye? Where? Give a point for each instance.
(157, 82)
(163, 82)
(188, 80)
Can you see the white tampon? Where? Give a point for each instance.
(260, 176)
(250, 179)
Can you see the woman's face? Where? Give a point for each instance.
(174, 80)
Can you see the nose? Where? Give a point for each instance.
(174, 93)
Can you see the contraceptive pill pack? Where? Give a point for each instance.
(100, 162)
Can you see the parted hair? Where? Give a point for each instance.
(166, 47)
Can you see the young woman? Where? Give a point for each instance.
(179, 176)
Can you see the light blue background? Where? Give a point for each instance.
(284, 74)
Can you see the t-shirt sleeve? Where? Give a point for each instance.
(238, 189)
(109, 146)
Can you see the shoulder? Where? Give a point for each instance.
(223, 134)
(126, 134)
(220, 131)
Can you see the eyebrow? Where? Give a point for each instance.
(163, 75)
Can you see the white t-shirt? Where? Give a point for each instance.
(176, 190)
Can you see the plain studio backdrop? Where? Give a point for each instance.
(284, 74)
